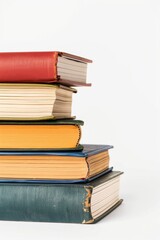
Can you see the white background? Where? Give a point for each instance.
(121, 108)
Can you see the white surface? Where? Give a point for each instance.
(123, 39)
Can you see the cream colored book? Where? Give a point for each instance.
(35, 101)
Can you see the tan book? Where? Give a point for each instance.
(35, 101)
(68, 165)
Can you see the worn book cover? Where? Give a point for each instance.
(68, 203)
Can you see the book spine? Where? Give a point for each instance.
(45, 203)
(28, 67)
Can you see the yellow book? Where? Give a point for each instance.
(50, 165)
(50, 134)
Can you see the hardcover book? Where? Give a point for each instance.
(43, 67)
(69, 203)
(40, 135)
(35, 101)
(63, 166)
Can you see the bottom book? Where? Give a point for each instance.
(69, 203)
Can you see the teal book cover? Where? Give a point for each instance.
(68, 203)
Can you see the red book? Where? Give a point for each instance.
(43, 67)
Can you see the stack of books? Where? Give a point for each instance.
(46, 175)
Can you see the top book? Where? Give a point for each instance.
(43, 67)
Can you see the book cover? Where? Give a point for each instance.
(69, 203)
(43, 67)
(88, 149)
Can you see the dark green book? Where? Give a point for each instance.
(69, 203)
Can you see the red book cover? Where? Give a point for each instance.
(35, 67)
